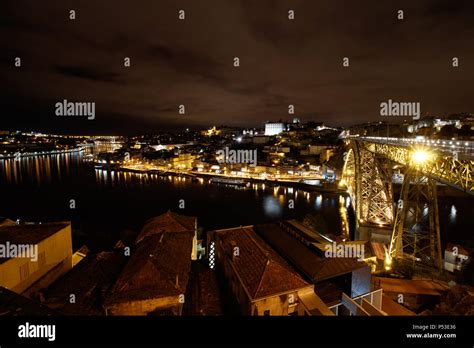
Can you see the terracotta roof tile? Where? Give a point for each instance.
(313, 266)
(158, 267)
(89, 281)
(261, 269)
(168, 222)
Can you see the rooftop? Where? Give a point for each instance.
(167, 222)
(88, 281)
(262, 271)
(315, 267)
(204, 298)
(459, 249)
(158, 267)
(29, 234)
(14, 304)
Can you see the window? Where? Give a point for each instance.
(24, 271)
(212, 257)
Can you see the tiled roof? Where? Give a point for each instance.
(168, 222)
(313, 266)
(204, 292)
(15, 304)
(158, 267)
(260, 268)
(29, 234)
(460, 250)
(89, 281)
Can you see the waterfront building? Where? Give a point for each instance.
(344, 284)
(88, 283)
(155, 278)
(47, 254)
(455, 257)
(260, 280)
(183, 161)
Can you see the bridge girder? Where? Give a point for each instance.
(368, 185)
(457, 173)
(416, 234)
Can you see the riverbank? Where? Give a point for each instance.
(323, 188)
(18, 155)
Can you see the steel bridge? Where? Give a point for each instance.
(367, 175)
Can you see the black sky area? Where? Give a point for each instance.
(190, 62)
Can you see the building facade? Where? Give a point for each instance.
(50, 255)
(260, 281)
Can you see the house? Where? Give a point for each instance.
(455, 257)
(83, 289)
(32, 256)
(260, 280)
(155, 278)
(331, 276)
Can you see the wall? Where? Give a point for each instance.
(144, 307)
(361, 281)
(57, 251)
(276, 305)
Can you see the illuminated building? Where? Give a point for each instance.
(274, 128)
(26, 275)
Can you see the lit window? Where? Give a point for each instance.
(212, 256)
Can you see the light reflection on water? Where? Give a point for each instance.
(38, 170)
(272, 207)
(275, 200)
(67, 169)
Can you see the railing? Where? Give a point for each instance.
(371, 297)
(464, 147)
(445, 168)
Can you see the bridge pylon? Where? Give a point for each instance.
(416, 234)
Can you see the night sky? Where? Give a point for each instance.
(190, 62)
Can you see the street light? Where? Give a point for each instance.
(421, 156)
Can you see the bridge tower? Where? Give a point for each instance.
(416, 234)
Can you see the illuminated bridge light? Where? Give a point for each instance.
(421, 156)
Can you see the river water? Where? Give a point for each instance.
(109, 205)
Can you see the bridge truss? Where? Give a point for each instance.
(368, 179)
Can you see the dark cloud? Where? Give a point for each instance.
(87, 73)
(190, 62)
